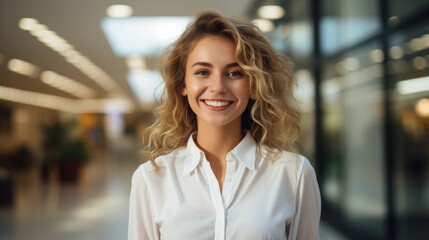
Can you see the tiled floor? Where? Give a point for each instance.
(95, 208)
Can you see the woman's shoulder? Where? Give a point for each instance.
(293, 163)
(162, 162)
(299, 164)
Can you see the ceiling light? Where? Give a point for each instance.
(144, 36)
(413, 85)
(28, 24)
(396, 52)
(23, 67)
(136, 62)
(425, 39)
(422, 107)
(394, 20)
(62, 47)
(420, 63)
(351, 64)
(264, 24)
(416, 44)
(147, 86)
(67, 85)
(119, 11)
(376, 56)
(271, 12)
(64, 104)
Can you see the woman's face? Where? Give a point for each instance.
(215, 85)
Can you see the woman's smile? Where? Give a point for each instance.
(217, 105)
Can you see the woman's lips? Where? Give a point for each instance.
(218, 105)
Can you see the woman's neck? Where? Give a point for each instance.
(216, 142)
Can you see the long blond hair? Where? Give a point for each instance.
(272, 116)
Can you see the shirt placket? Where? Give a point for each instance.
(217, 201)
(229, 179)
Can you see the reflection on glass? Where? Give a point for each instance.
(404, 8)
(352, 117)
(347, 23)
(411, 133)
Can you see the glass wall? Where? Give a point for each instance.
(363, 80)
(354, 178)
(399, 9)
(408, 68)
(346, 22)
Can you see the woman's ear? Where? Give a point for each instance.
(184, 92)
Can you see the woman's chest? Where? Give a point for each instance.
(250, 212)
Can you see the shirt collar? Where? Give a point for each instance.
(193, 156)
(244, 152)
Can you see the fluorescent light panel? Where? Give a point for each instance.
(64, 104)
(147, 85)
(145, 36)
(413, 85)
(51, 78)
(24, 68)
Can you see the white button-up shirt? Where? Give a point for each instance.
(260, 199)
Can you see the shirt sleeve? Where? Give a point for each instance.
(305, 224)
(141, 222)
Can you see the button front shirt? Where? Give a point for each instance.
(260, 199)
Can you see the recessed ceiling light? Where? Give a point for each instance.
(264, 24)
(66, 84)
(271, 12)
(119, 11)
(28, 24)
(23, 67)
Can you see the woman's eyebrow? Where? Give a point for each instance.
(235, 64)
(206, 64)
(202, 64)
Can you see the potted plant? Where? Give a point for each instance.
(65, 150)
(73, 156)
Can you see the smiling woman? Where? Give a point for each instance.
(222, 159)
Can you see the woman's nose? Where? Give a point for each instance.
(217, 83)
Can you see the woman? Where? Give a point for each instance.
(222, 162)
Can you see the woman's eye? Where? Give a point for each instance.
(235, 74)
(202, 73)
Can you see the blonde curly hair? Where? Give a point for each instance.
(272, 116)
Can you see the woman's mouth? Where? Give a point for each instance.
(217, 104)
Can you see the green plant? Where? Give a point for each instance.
(74, 150)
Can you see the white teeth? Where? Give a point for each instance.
(217, 103)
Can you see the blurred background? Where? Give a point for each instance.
(79, 81)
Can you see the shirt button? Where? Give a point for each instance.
(229, 158)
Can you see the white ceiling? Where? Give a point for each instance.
(78, 22)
